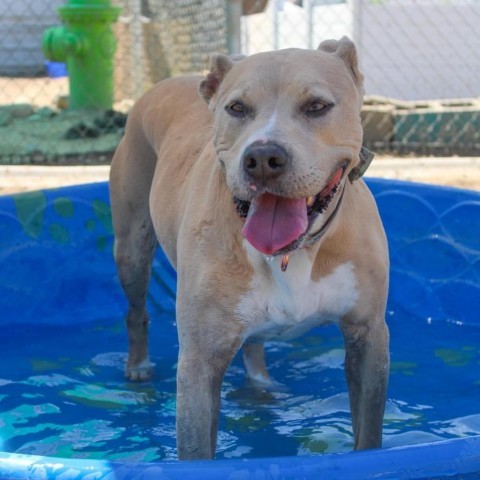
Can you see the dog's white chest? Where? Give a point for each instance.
(287, 304)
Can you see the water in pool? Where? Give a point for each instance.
(62, 393)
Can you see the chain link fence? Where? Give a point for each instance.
(420, 58)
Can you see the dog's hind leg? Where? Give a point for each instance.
(133, 256)
(255, 365)
(133, 250)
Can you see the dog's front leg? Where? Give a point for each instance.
(366, 368)
(207, 347)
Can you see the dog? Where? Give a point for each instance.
(249, 180)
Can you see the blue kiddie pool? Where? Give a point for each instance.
(66, 411)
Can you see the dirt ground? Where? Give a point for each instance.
(40, 92)
(453, 171)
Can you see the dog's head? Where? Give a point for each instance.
(287, 134)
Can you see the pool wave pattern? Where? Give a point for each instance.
(58, 282)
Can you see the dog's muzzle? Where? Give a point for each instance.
(277, 225)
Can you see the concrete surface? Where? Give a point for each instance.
(460, 172)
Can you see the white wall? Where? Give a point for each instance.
(259, 32)
(421, 51)
(408, 49)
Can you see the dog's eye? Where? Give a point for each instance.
(316, 108)
(236, 109)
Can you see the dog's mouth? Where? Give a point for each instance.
(277, 225)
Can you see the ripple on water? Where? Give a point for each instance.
(71, 399)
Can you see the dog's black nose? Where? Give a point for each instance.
(265, 161)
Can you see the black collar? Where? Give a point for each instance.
(315, 237)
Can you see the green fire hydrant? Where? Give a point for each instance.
(87, 44)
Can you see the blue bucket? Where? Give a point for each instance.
(56, 69)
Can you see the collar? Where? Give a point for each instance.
(315, 237)
(366, 157)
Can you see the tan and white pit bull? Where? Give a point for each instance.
(253, 193)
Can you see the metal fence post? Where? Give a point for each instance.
(234, 15)
(356, 9)
(136, 32)
(276, 5)
(309, 6)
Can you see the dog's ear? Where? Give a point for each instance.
(220, 65)
(236, 57)
(345, 49)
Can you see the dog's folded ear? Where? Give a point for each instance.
(220, 65)
(344, 49)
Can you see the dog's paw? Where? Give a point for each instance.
(262, 382)
(141, 372)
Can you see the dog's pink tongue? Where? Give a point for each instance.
(274, 222)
